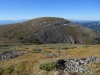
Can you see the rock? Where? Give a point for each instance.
(50, 55)
(76, 64)
(58, 72)
(9, 55)
(56, 55)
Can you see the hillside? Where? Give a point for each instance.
(93, 25)
(47, 30)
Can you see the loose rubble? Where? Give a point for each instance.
(10, 54)
(51, 55)
(77, 64)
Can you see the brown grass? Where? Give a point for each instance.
(28, 64)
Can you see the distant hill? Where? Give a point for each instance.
(47, 30)
(93, 25)
(2, 22)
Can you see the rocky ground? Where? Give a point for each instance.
(10, 54)
(77, 65)
(71, 59)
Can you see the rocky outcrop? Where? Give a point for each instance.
(76, 65)
(10, 54)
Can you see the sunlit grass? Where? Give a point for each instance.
(30, 61)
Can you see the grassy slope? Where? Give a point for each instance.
(28, 64)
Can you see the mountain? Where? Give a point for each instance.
(47, 30)
(3, 22)
(93, 25)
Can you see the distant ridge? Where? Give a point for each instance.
(95, 25)
(2, 22)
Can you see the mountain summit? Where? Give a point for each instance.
(47, 30)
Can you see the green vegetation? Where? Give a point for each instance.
(36, 60)
(85, 46)
(21, 68)
(20, 37)
(58, 51)
(88, 41)
(52, 48)
(68, 47)
(48, 66)
(4, 48)
(95, 68)
(4, 45)
(36, 41)
(46, 51)
(6, 70)
(36, 50)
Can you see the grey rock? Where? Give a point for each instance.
(9, 55)
(77, 64)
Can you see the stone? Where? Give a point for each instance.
(9, 55)
(77, 64)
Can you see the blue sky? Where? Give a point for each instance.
(69, 9)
